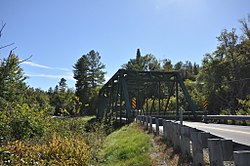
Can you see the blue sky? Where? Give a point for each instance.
(57, 32)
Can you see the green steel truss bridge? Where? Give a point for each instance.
(130, 93)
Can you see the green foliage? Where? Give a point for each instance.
(142, 63)
(226, 72)
(22, 122)
(58, 151)
(64, 100)
(127, 146)
(244, 106)
(64, 141)
(11, 80)
(153, 106)
(89, 74)
(38, 98)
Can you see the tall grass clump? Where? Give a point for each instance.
(127, 146)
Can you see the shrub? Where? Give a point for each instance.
(22, 122)
(58, 151)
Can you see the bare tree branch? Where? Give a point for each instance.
(2, 29)
(6, 45)
(26, 59)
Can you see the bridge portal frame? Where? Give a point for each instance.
(114, 100)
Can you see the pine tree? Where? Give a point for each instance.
(142, 63)
(82, 81)
(89, 74)
(63, 85)
(96, 73)
(12, 79)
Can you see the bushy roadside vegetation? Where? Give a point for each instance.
(57, 151)
(55, 141)
(30, 134)
(127, 146)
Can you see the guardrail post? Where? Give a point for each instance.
(215, 152)
(157, 126)
(150, 125)
(153, 122)
(146, 122)
(197, 149)
(160, 123)
(241, 158)
(220, 150)
(227, 149)
(176, 136)
(199, 141)
(141, 119)
(185, 141)
(169, 132)
(164, 123)
(144, 119)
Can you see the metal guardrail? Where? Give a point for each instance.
(220, 150)
(226, 117)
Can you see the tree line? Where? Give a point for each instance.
(221, 85)
(222, 80)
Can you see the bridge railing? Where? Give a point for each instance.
(194, 143)
(200, 115)
(226, 117)
(242, 119)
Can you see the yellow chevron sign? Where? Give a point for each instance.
(205, 104)
(133, 103)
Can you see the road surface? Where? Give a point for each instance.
(238, 134)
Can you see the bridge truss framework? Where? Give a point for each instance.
(118, 96)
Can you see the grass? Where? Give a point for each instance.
(127, 146)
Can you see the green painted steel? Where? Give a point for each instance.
(148, 87)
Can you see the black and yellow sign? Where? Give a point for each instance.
(205, 104)
(133, 103)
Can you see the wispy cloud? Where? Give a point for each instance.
(44, 66)
(55, 76)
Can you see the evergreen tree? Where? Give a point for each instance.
(12, 85)
(142, 63)
(167, 65)
(64, 100)
(62, 85)
(89, 74)
(82, 81)
(95, 73)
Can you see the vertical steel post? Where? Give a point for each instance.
(116, 100)
(110, 103)
(126, 98)
(177, 100)
(186, 94)
(120, 102)
(159, 100)
(169, 96)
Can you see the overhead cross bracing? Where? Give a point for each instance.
(129, 93)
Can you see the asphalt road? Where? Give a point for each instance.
(238, 134)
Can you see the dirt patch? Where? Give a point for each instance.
(163, 154)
